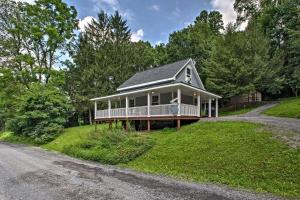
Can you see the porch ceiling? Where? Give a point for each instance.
(185, 89)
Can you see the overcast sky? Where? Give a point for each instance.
(152, 20)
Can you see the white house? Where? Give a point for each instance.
(170, 92)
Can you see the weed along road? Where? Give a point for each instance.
(30, 173)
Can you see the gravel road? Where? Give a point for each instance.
(31, 173)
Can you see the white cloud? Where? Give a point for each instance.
(27, 1)
(154, 7)
(84, 22)
(111, 6)
(158, 42)
(226, 8)
(137, 36)
(176, 12)
(111, 2)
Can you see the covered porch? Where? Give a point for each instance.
(168, 102)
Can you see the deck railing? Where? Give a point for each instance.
(188, 110)
(157, 110)
(141, 111)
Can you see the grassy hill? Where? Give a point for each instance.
(232, 153)
(237, 154)
(289, 107)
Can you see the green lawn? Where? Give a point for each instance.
(238, 154)
(289, 107)
(238, 111)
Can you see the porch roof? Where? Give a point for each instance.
(176, 85)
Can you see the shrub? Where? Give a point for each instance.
(113, 147)
(41, 114)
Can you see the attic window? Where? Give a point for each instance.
(188, 74)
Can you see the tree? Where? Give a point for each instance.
(215, 21)
(10, 91)
(104, 58)
(34, 36)
(280, 21)
(239, 63)
(195, 41)
(41, 114)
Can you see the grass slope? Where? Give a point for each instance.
(105, 146)
(12, 138)
(289, 107)
(238, 154)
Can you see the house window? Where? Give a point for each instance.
(155, 100)
(131, 102)
(188, 74)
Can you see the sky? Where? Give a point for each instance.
(152, 20)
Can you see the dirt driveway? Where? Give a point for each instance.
(30, 173)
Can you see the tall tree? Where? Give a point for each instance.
(34, 36)
(280, 21)
(196, 40)
(48, 28)
(104, 58)
(239, 64)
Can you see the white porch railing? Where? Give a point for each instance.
(142, 111)
(188, 110)
(164, 110)
(102, 114)
(118, 112)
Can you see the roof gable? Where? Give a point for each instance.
(161, 74)
(195, 79)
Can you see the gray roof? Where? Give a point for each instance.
(155, 74)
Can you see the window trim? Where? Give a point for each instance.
(133, 102)
(158, 99)
(186, 74)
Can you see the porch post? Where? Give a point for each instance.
(126, 106)
(179, 101)
(217, 108)
(95, 110)
(109, 108)
(209, 107)
(199, 105)
(148, 104)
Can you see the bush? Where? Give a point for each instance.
(113, 147)
(41, 114)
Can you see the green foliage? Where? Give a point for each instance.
(41, 113)
(238, 154)
(32, 35)
(104, 58)
(194, 42)
(289, 107)
(280, 22)
(239, 63)
(106, 146)
(11, 89)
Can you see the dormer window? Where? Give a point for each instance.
(188, 75)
